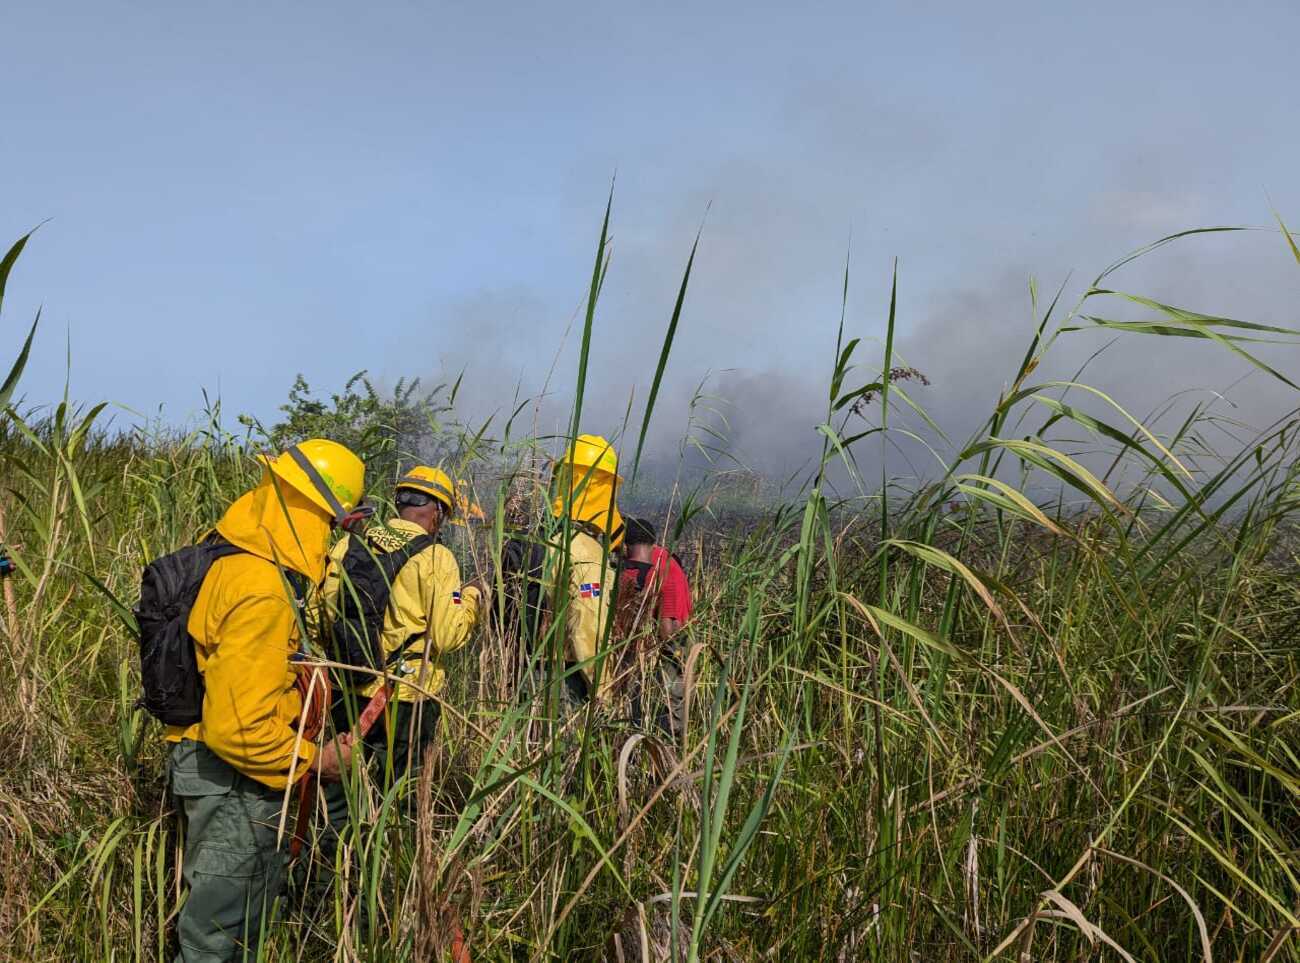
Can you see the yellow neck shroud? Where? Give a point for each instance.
(277, 523)
(590, 496)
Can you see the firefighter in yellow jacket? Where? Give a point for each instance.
(230, 770)
(586, 491)
(429, 614)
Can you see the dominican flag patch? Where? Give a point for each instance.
(455, 598)
(589, 590)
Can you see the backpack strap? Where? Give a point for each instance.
(642, 569)
(218, 546)
(417, 545)
(595, 531)
(403, 553)
(393, 562)
(390, 563)
(398, 654)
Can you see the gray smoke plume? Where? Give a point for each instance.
(716, 412)
(747, 380)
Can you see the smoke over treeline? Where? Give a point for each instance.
(747, 383)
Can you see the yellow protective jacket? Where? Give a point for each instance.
(245, 626)
(587, 608)
(429, 614)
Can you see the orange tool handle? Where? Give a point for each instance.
(371, 712)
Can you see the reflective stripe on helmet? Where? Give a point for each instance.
(313, 476)
(424, 485)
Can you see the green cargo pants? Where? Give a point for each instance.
(233, 867)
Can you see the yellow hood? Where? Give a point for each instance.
(284, 527)
(594, 494)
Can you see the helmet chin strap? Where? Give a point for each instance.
(439, 519)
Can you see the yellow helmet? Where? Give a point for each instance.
(592, 451)
(587, 485)
(431, 481)
(327, 473)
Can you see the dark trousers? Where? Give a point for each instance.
(392, 749)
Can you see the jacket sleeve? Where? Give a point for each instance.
(247, 678)
(453, 610)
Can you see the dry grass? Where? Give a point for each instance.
(957, 726)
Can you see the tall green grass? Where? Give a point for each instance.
(955, 723)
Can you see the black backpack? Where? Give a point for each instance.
(366, 582)
(523, 564)
(173, 685)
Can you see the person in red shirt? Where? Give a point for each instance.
(651, 568)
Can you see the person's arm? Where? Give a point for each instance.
(454, 609)
(674, 600)
(246, 679)
(669, 627)
(424, 603)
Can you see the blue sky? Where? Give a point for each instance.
(240, 192)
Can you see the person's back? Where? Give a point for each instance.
(427, 613)
(230, 770)
(650, 568)
(674, 590)
(245, 630)
(586, 485)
